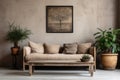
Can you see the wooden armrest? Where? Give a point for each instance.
(26, 50)
(92, 51)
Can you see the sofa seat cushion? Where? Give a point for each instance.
(36, 56)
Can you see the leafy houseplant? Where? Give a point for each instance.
(107, 43)
(15, 35)
(85, 58)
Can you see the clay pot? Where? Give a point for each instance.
(109, 61)
(15, 50)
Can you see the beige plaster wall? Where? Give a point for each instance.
(88, 15)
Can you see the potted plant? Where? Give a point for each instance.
(107, 43)
(85, 58)
(16, 34)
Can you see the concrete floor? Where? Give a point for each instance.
(7, 74)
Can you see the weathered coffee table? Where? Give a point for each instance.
(60, 63)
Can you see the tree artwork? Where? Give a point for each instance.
(59, 19)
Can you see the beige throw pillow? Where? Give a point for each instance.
(36, 47)
(52, 48)
(70, 48)
(83, 48)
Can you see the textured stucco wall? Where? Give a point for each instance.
(88, 15)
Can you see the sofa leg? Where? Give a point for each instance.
(30, 69)
(91, 70)
(23, 66)
(94, 67)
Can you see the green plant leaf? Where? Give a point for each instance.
(107, 40)
(16, 33)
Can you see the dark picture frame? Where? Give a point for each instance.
(59, 19)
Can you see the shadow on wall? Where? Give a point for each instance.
(4, 57)
(118, 62)
(117, 16)
(118, 25)
(7, 60)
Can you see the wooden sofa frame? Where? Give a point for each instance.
(29, 63)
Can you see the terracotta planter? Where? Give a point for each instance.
(109, 61)
(15, 50)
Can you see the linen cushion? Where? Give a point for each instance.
(52, 48)
(37, 57)
(36, 47)
(70, 48)
(83, 48)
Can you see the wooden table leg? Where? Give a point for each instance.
(30, 69)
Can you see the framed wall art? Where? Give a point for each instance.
(59, 19)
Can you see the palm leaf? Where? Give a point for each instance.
(16, 33)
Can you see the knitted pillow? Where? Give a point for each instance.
(70, 48)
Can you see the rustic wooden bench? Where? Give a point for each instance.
(60, 63)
